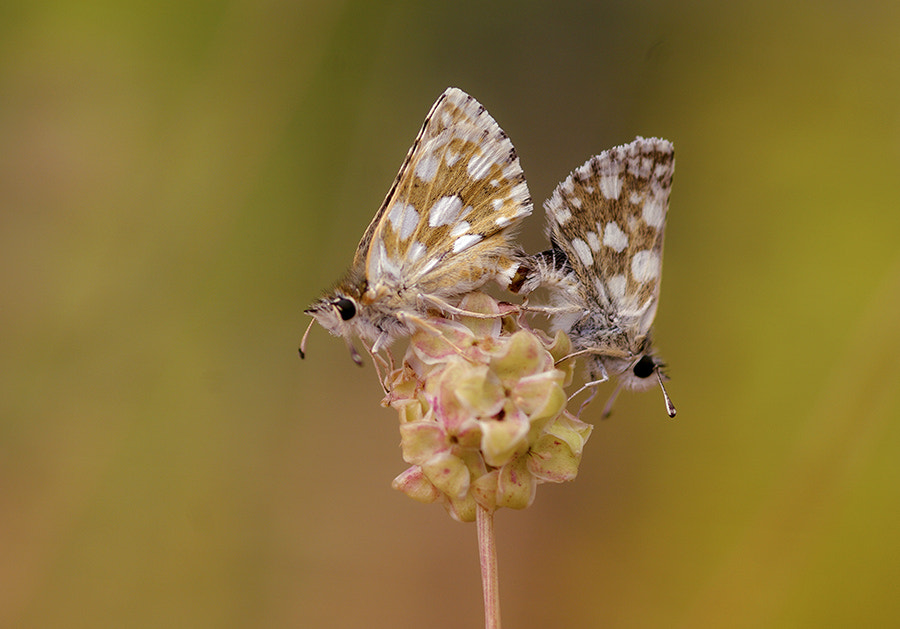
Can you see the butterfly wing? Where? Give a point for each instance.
(608, 217)
(446, 224)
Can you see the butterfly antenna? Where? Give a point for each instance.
(303, 341)
(670, 408)
(607, 410)
(354, 354)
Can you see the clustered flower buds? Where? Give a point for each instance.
(482, 407)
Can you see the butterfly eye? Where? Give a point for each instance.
(644, 367)
(346, 308)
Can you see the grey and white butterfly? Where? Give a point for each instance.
(444, 229)
(606, 224)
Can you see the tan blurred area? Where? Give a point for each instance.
(178, 180)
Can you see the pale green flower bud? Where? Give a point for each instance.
(482, 411)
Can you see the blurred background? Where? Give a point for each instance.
(178, 180)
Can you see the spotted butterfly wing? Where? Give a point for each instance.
(444, 229)
(606, 223)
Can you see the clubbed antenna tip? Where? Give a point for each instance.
(303, 340)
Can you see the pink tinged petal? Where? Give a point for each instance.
(437, 340)
(474, 463)
(482, 304)
(410, 410)
(484, 490)
(540, 396)
(516, 487)
(559, 349)
(552, 460)
(571, 430)
(480, 391)
(449, 410)
(503, 438)
(523, 356)
(461, 509)
(468, 435)
(421, 441)
(448, 473)
(401, 390)
(413, 483)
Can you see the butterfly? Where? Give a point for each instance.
(444, 229)
(606, 224)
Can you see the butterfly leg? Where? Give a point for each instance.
(445, 307)
(595, 351)
(381, 365)
(607, 408)
(554, 310)
(603, 377)
(414, 323)
(589, 385)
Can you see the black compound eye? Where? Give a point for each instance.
(644, 367)
(346, 308)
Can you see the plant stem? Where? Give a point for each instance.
(487, 551)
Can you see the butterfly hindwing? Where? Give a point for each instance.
(608, 217)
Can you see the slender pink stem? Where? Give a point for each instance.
(487, 551)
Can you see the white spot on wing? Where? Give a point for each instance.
(404, 219)
(593, 241)
(563, 214)
(427, 166)
(584, 252)
(610, 186)
(464, 242)
(645, 266)
(654, 212)
(461, 228)
(445, 211)
(380, 265)
(632, 222)
(614, 237)
(479, 166)
(617, 285)
(416, 250)
(428, 266)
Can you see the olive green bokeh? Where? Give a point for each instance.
(179, 180)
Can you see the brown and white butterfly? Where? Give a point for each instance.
(606, 223)
(444, 229)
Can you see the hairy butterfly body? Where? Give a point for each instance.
(606, 223)
(444, 229)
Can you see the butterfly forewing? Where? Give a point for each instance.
(445, 225)
(444, 229)
(606, 222)
(609, 217)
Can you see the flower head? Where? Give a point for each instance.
(482, 411)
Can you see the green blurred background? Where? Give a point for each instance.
(178, 180)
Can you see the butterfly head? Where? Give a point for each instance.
(339, 314)
(335, 313)
(639, 373)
